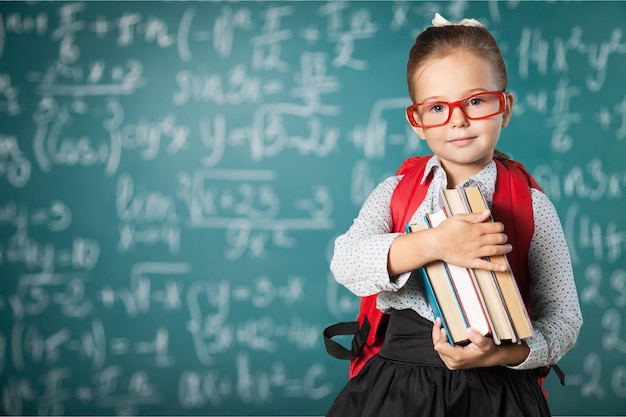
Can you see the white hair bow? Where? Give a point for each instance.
(440, 21)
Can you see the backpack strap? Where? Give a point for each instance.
(410, 191)
(360, 333)
(512, 205)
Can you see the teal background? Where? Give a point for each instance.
(173, 176)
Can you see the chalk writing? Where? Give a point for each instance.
(173, 176)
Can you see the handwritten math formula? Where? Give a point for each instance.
(173, 176)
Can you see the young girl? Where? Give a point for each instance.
(457, 80)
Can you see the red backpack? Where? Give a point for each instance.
(512, 205)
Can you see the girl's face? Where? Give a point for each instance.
(464, 146)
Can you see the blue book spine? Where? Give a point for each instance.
(434, 305)
(432, 299)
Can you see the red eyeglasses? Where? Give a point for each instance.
(478, 106)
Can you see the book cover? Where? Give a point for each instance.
(496, 308)
(441, 296)
(434, 304)
(507, 284)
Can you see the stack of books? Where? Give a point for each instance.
(487, 301)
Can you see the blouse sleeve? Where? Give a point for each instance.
(359, 260)
(554, 301)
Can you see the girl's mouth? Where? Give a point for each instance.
(462, 141)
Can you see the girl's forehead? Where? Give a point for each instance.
(452, 74)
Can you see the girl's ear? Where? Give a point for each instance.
(418, 130)
(508, 111)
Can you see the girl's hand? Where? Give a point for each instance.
(480, 352)
(465, 239)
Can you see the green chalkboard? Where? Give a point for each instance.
(173, 176)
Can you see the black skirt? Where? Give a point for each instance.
(407, 378)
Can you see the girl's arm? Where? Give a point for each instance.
(554, 299)
(369, 258)
(462, 240)
(359, 260)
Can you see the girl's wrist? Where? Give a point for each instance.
(514, 354)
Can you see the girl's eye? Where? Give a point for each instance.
(475, 101)
(437, 108)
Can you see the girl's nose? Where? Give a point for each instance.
(458, 118)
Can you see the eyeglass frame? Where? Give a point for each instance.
(410, 111)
